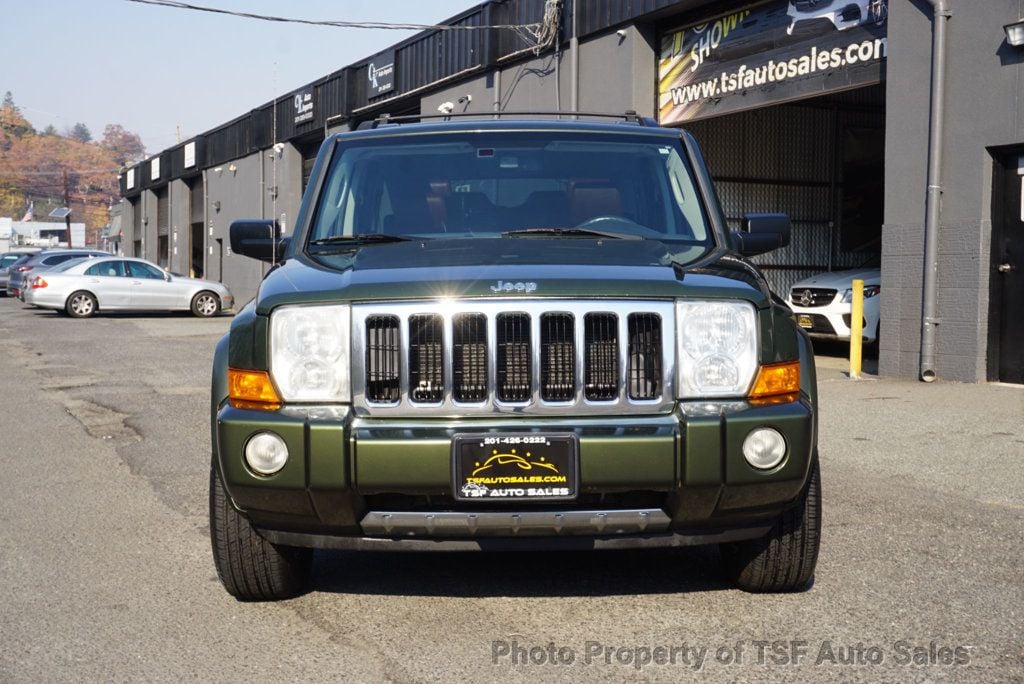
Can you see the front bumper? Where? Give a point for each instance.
(659, 480)
(833, 321)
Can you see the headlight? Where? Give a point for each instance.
(869, 292)
(309, 353)
(717, 348)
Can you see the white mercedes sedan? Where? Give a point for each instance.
(83, 287)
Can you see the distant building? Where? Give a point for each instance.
(110, 236)
(38, 234)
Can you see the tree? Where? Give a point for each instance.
(49, 130)
(126, 146)
(12, 124)
(80, 132)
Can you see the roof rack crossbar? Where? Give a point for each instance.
(630, 116)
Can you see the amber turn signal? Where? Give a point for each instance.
(776, 379)
(249, 389)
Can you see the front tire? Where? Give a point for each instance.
(80, 305)
(205, 304)
(250, 567)
(784, 559)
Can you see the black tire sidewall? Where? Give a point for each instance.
(195, 304)
(71, 312)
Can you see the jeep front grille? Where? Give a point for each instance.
(558, 357)
(644, 356)
(469, 359)
(426, 367)
(513, 356)
(383, 359)
(514, 362)
(601, 363)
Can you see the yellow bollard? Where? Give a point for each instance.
(856, 328)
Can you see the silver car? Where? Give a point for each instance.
(7, 262)
(43, 261)
(85, 286)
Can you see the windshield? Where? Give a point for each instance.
(11, 260)
(493, 184)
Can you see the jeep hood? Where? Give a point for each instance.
(504, 267)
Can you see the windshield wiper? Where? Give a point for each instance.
(361, 239)
(578, 232)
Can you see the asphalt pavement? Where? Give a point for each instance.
(106, 573)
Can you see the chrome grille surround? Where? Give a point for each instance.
(490, 309)
(812, 296)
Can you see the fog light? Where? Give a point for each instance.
(266, 453)
(764, 448)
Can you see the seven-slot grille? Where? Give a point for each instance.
(499, 355)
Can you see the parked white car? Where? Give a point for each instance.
(821, 304)
(83, 287)
(844, 14)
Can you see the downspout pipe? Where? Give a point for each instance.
(933, 206)
(574, 49)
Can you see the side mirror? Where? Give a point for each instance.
(258, 239)
(762, 233)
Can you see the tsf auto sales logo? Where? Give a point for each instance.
(506, 473)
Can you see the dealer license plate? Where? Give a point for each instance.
(522, 466)
(804, 322)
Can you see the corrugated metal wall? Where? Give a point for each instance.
(786, 159)
(439, 54)
(231, 141)
(597, 15)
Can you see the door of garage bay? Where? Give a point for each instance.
(1006, 324)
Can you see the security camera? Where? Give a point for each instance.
(621, 33)
(465, 99)
(279, 148)
(446, 108)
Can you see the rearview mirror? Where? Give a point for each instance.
(762, 233)
(258, 239)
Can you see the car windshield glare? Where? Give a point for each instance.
(488, 184)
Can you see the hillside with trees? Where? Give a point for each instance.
(40, 166)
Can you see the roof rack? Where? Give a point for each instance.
(630, 117)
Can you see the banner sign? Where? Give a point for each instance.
(380, 73)
(771, 53)
(303, 101)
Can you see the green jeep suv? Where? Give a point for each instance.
(512, 335)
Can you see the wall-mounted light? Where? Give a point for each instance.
(219, 170)
(1015, 33)
(233, 169)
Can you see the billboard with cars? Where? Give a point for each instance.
(774, 52)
